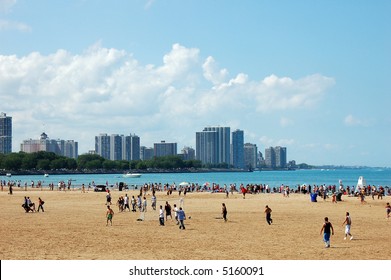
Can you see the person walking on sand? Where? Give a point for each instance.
(327, 230)
(126, 202)
(224, 211)
(268, 212)
(161, 216)
(40, 204)
(109, 216)
(347, 223)
(388, 210)
(133, 202)
(181, 218)
(176, 214)
(167, 209)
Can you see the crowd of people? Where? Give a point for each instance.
(166, 211)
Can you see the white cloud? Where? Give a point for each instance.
(13, 25)
(212, 74)
(270, 142)
(78, 96)
(285, 93)
(284, 122)
(6, 5)
(350, 120)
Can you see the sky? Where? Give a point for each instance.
(312, 76)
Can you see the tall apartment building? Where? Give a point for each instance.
(118, 147)
(207, 147)
(67, 148)
(275, 157)
(115, 147)
(5, 134)
(188, 153)
(163, 149)
(213, 145)
(102, 145)
(280, 156)
(131, 147)
(238, 149)
(146, 153)
(250, 155)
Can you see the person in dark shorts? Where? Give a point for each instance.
(268, 212)
(224, 212)
(167, 209)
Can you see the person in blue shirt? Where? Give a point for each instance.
(181, 218)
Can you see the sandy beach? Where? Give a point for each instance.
(73, 227)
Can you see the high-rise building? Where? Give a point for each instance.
(102, 145)
(118, 147)
(5, 134)
(250, 155)
(67, 148)
(213, 145)
(188, 153)
(146, 153)
(163, 149)
(115, 147)
(276, 157)
(280, 156)
(238, 149)
(207, 147)
(131, 147)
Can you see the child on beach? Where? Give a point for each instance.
(388, 210)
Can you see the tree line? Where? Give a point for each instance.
(50, 161)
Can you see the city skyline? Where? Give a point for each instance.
(311, 76)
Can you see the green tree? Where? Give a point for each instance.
(13, 161)
(43, 164)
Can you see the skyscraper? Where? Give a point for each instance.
(102, 145)
(67, 148)
(207, 147)
(5, 134)
(238, 149)
(130, 147)
(275, 157)
(213, 145)
(115, 147)
(163, 149)
(280, 156)
(250, 155)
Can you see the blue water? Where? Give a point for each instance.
(349, 177)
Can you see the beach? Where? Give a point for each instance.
(73, 227)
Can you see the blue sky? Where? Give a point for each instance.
(309, 75)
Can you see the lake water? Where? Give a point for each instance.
(349, 177)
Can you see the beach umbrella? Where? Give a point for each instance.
(184, 184)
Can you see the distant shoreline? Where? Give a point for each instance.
(151, 171)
